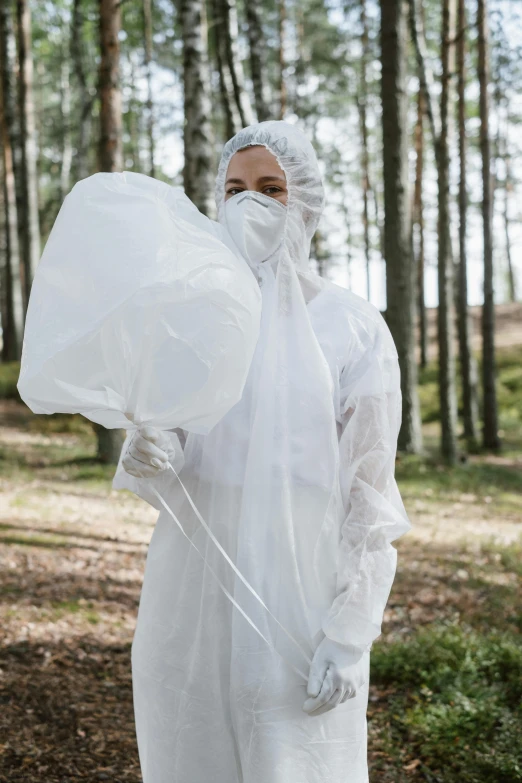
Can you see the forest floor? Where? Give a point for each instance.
(446, 677)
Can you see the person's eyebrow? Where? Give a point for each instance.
(235, 181)
(271, 178)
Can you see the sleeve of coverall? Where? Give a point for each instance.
(162, 481)
(375, 516)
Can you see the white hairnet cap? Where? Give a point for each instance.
(298, 160)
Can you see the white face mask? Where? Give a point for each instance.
(256, 224)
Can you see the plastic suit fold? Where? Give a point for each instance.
(295, 485)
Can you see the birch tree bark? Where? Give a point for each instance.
(490, 415)
(198, 172)
(468, 368)
(13, 313)
(28, 219)
(400, 285)
(257, 46)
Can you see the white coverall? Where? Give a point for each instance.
(297, 484)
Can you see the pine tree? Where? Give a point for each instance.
(198, 171)
(28, 219)
(468, 368)
(490, 432)
(400, 284)
(110, 152)
(11, 284)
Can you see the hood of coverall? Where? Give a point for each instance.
(296, 157)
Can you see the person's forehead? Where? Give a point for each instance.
(257, 158)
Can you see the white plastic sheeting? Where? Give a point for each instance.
(139, 312)
(296, 484)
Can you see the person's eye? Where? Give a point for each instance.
(234, 191)
(272, 189)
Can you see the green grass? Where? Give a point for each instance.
(9, 372)
(31, 539)
(60, 609)
(455, 704)
(74, 424)
(497, 486)
(452, 690)
(509, 390)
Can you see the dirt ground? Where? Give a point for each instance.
(508, 326)
(72, 554)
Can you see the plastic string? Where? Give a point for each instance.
(235, 568)
(236, 571)
(227, 593)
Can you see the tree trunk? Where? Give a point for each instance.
(109, 444)
(257, 46)
(490, 432)
(67, 153)
(468, 368)
(3, 250)
(110, 147)
(445, 312)
(378, 221)
(439, 127)
(508, 189)
(400, 286)
(362, 103)
(235, 67)
(320, 253)
(110, 153)
(282, 59)
(147, 34)
(198, 173)
(418, 230)
(11, 283)
(235, 100)
(349, 255)
(81, 159)
(29, 223)
(301, 59)
(503, 153)
(226, 89)
(416, 17)
(133, 124)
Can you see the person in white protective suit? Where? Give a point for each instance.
(268, 681)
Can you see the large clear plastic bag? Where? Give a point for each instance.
(139, 311)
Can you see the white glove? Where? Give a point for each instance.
(149, 451)
(336, 673)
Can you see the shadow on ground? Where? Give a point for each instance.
(66, 713)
